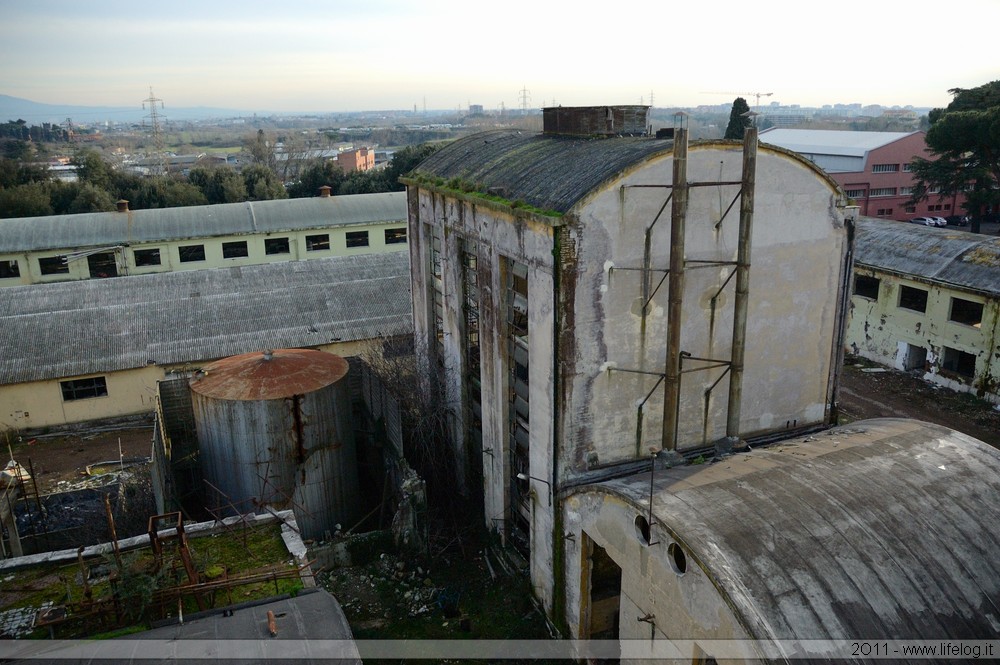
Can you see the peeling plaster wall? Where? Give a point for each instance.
(497, 236)
(684, 607)
(797, 257)
(882, 331)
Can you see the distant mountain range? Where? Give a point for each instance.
(35, 113)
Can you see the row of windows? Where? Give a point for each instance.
(891, 168)
(883, 191)
(967, 312)
(193, 253)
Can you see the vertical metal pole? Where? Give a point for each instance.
(742, 283)
(675, 300)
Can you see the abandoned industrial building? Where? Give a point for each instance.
(928, 301)
(97, 245)
(599, 312)
(585, 303)
(91, 349)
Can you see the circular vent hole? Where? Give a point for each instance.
(678, 560)
(642, 531)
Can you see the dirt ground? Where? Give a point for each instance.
(64, 459)
(870, 391)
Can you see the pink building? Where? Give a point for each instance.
(359, 159)
(872, 167)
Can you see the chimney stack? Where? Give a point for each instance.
(122, 205)
(324, 192)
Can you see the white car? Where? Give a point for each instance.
(926, 221)
(940, 221)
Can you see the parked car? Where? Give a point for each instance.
(926, 221)
(958, 220)
(940, 221)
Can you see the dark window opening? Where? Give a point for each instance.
(357, 238)
(190, 253)
(395, 236)
(276, 246)
(102, 264)
(911, 298)
(235, 250)
(866, 286)
(318, 243)
(146, 257)
(959, 362)
(84, 388)
(9, 269)
(53, 265)
(966, 311)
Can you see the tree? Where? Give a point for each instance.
(261, 149)
(407, 159)
(30, 200)
(964, 140)
(315, 175)
(262, 184)
(219, 185)
(91, 168)
(91, 199)
(739, 119)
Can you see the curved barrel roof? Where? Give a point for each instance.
(102, 229)
(547, 172)
(885, 528)
(957, 258)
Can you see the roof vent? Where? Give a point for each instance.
(595, 120)
(268, 354)
(324, 191)
(122, 205)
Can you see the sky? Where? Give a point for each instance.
(310, 56)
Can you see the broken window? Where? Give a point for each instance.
(866, 286)
(9, 269)
(473, 381)
(318, 243)
(53, 265)
(75, 389)
(966, 311)
(959, 362)
(146, 257)
(912, 298)
(395, 236)
(191, 253)
(276, 246)
(357, 238)
(235, 250)
(437, 293)
(102, 264)
(518, 396)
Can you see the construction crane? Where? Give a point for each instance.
(756, 95)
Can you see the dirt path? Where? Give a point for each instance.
(890, 393)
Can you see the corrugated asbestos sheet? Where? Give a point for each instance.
(885, 528)
(958, 258)
(101, 229)
(548, 172)
(52, 331)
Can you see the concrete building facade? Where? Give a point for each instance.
(569, 341)
(928, 301)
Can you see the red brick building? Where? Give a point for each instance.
(872, 167)
(359, 159)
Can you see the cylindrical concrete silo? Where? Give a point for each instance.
(274, 428)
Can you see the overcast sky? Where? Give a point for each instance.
(393, 54)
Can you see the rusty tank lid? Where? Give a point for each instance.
(269, 374)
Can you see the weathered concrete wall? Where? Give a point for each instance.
(684, 606)
(798, 250)
(882, 331)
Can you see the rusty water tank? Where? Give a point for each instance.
(274, 428)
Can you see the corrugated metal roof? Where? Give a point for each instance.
(956, 258)
(885, 528)
(828, 141)
(547, 172)
(102, 229)
(65, 329)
